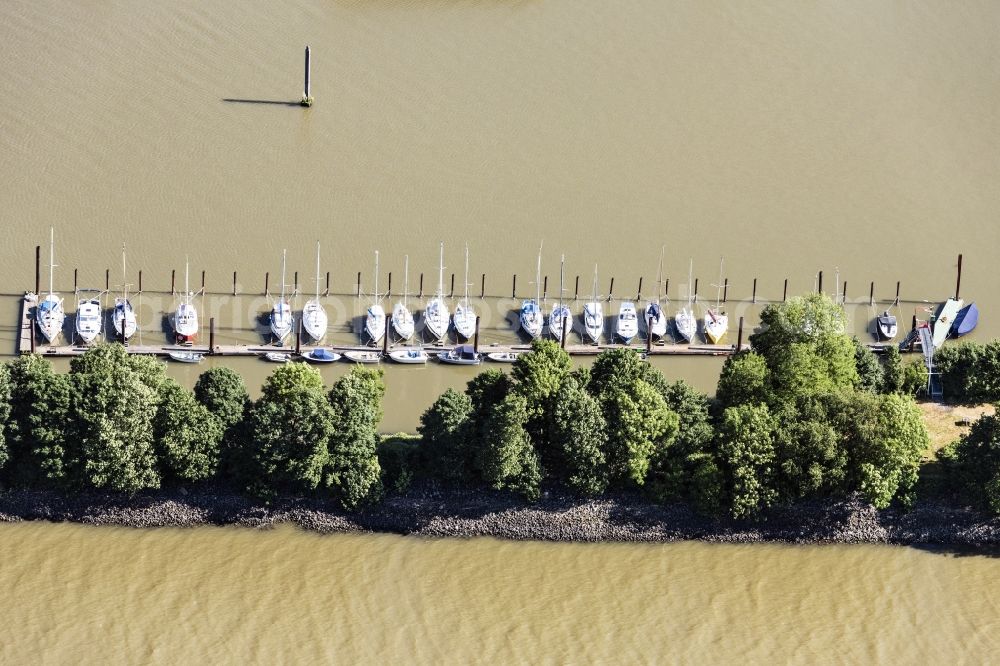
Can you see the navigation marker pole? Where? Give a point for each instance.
(307, 98)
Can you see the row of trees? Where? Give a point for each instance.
(117, 422)
(810, 412)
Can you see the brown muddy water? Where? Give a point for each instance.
(231, 595)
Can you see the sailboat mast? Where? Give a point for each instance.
(718, 287)
(124, 286)
(406, 277)
(659, 277)
(375, 295)
(595, 283)
(52, 255)
(317, 271)
(562, 271)
(283, 255)
(538, 276)
(187, 292)
(466, 276)
(440, 292)
(690, 283)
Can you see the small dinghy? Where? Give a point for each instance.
(965, 320)
(321, 355)
(627, 326)
(277, 357)
(502, 357)
(363, 356)
(461, 355)
(186, 356)
(412, 355)
(886, 325)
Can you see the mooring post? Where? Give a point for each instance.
(611, 288)
(307, 99)
(124, 339)
(896, 302)
(739, 336)
(666, 288)
(513, 288)
(725, 290)
(38, 271)
(385, 342)
(327, 284)
(211, 335)
(565, 333)
(843, 296)
(576, 290)
(359, 284)
(452, 294)
(234, 283)
(545, 288)
(32, 334)
(295, 282)
(203, 281)
(958, 280)
(696, 290)
(819, 287)
(871, 294)
(753, 299)
(107, 279)
(649, 333)
(140, 280)
(482, 287)
(638, 293)
(388, 292)
(298, 337)
(784, 294)
(267, 283)
(475, 339)
(173, 281)
(421, 293)
(74, 281)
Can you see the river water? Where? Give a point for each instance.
(789, 138)
(230, 595)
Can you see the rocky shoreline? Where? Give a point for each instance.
(431, 512)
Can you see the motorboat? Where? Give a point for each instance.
(50, 314)
(88, 319)
(277, 357)
(186, 315)
(716, 321)
(375, 315)
(321, 355)
(965, 320)
(560, 319)
(402, 318)
(593, 316)
(411, 355)
(945, 319)
(186, 356)
(281, 311)
(363, 356)
(627, 324)
(886, 325)
(461, 355)
(314, 319)
(123, 316)
(503, 357)
(436, 313)
(531, 317)
(654, 318)
(465, 316)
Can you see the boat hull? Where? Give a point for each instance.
(314, 320)
(965, 320)
(375, 323)
(593, 321)
(687, 325)
(716, 327)
(50, 317)
(465, 321)
(436, 317)
(402, 321)
(945, 319)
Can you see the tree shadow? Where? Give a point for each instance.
(276, 102)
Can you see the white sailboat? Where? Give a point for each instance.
(50, 314)
(627, 324)
(436, 313)
(314, 319)
(186, 315)
(88, 318)
(375, 316)
(716, 321)
(531, 316)
(281, 312)
(123, 316)
(653, 316)
(402, 318)
(593, 315)
(560, 317)
(465, 317)
(687, 325)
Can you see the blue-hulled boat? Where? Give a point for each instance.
(965, 320)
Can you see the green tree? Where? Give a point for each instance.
(639, 427)
(485, 391)
(188, 436)
(537, 377)
(579, 431)
(810, 457)
(42, 451)
(443, 436)
(871, 376)
(972, 463)
(892, 370)
(352, 469)
(5, 394)
(746, 451)
(508, 459)
(744, 380)
(290, 427)
(113, 406)
(617, 370)
(222, 391)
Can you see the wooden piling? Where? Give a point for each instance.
(739, 336)
(576, 290)
(475, 339)
(107, 279)
(173, 281)
(666, 288)
(725, 290)
(611, 288)
(896, 302)
(359, 284)
(871, 294)
(482, 287)
(545, 288)
(452, 294)
(388, 292)
(695, 290)
(638, 293)
(38, 270)
(307, 99)
(295, 282)
(267, 283)
(421, 293)
(385, 342)
(819, 287)
(565, 333)
(298, 337)
(211, 335)
(843, 295)
(327, 283)
(784, 294)
(203, 281)
(649, 333)
(75, 283)
(753, 299)
(234, 283)
(31, 335)
(140, 281)
(513, 288)
(958, 280)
